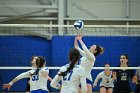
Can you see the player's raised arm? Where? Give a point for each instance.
(86, 50)
(77, 46)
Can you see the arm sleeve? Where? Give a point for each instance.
(24, 75)
(81, 51)
(87, 52)
(77, 47)
(55, 82)
(97, 78)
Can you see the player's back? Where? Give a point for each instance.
(70, 82)
(39, 81)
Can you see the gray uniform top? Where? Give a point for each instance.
(106, 81)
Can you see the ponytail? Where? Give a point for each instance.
(40, 61)
(74, 55)
(71, 66)
(36, 72)
(99, 49)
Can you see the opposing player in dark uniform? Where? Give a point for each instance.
(124, 77)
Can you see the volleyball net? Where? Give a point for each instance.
(43, 30)
(21, 41)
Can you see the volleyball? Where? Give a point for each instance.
(79, 24)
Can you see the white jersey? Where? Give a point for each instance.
(106, 81)
(71, 82)
(36, 81)
(87, 61)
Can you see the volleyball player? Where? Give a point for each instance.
(107, 79)
(38, 81)
(71, 75)
(124, 76)
(88, 59)
(33, 63)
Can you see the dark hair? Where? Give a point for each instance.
(126, 56)
(40, 61)
(99, 50)
(74, 55)
(33, 57)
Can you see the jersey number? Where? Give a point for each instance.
(35, 78)
(68, 76)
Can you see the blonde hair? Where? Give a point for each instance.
(102, 50)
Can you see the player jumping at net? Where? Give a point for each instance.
(71, 75)
(88, 59)
(38, 81)
(107, 79)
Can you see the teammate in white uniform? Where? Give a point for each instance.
(88, 59)
(33, 62)
(38, 81)
(71, 75)
(107, 80)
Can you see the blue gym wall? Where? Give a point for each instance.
(17, 50)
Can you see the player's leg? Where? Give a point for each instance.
(103, 90)
(89, 88)
(80, 90)
(89, 85)
(110, 90)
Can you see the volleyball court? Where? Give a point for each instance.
(21, 41)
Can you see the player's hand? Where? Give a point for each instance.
(79, 37)
(6, 86)
(49, 78)
(134, 79)
(114, 75)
